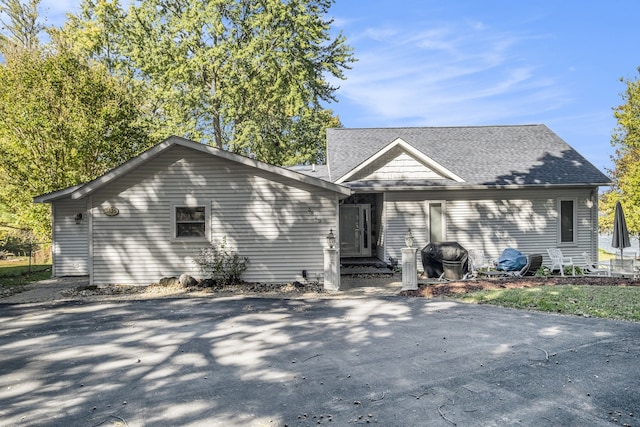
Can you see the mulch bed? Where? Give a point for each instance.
(464, 286)
(176, 289)
(438, 289)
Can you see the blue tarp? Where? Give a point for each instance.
(511, 260)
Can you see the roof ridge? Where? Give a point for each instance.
(441, 127)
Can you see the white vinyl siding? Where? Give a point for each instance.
(401, 167)
(71, 239)
(493, 220)
(280, 224)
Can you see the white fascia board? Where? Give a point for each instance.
(398, 142)
(389, 189)
(118, 171)
(94, 185)
(49, 197)
(297, 176)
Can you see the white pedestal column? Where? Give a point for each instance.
(409, 269)
(331, 269)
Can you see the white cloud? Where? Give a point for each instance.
(376, 34)
(455, 73)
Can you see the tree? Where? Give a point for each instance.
(21, 29)
(307, 139)
(63, 121)
(626, 174)
(239, 74)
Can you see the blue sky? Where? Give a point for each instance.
(456, 63)
(490, 62)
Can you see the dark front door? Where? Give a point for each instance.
(355, 230)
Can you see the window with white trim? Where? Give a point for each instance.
(190, 222)
(567, 220)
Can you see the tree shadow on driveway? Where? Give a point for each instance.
(253, 361)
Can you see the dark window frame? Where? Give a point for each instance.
(190, 221)
(567, 221)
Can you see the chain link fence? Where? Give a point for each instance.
(38, 253)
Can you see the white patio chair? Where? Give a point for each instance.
(591, 268)
(534, 262)
(625, 267)
(560, 261)
(478, 261)
(626, 255)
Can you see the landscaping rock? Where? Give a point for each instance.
(187, 281)
(169, 281)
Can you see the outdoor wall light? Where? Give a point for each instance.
(331, 239)
(78, 218)
(408, 239)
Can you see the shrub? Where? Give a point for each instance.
(222, 264)
(543, 271)
(546, 271)
(568, 271)
(16, 242)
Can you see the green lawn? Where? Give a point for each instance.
(604, 256)
(16, 272)
(611, 302)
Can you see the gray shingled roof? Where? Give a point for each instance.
(481, 155)
(318, 171)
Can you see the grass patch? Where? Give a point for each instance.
(20, 270)
(611, 302)
(604, 256)
(16, 272)
(25, 278)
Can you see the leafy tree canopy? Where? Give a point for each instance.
(246, 76)
(21, 25)
(626, 174)
(62, 122)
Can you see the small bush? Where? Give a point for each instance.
(568, 271)
(222, 264)
(543, 271)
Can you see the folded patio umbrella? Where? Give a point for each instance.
(620, 231)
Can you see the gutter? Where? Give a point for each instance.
(380, 188)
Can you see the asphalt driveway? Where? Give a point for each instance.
(388, 361)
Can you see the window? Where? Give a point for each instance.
(190, 222)
(436, 222)
(567, 219)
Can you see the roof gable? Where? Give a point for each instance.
(399, 161)
(480, 156)
(80, 191)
